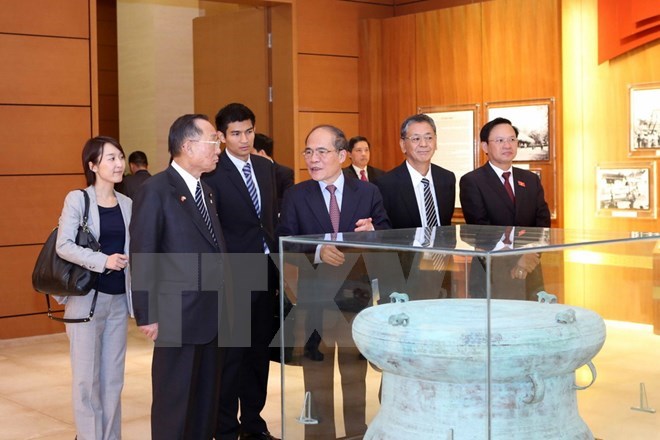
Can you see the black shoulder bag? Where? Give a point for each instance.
(53, 275)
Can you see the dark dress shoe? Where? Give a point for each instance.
(258, 436)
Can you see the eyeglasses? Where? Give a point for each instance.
(215, 143)
(415, 140)
(502, 141)
(308, 153)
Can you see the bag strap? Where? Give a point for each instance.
(86, 213)
(72, 320)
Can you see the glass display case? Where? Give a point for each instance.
(471, 332)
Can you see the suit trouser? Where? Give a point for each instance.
(245, 375)
(185, 386)
(98, 353)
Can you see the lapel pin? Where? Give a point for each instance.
(521, 183)
(183, 199)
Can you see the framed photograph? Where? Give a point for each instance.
(534, 119)
(645, 120)
(457, 138)
(626, 190)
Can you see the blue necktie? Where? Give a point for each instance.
(199, 201)
(252, 190)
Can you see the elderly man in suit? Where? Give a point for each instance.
(246, 202)
(176, 253)
(332, 204)
(499, 194)
(359, 151)
(418, 194)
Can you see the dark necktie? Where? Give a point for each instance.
(252, 190)
(507, 186)
(429, 206)
(199, 201)
(507, 237)
(363, 176)
(334, 208)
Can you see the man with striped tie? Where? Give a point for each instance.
(246, 203)
(419, 194)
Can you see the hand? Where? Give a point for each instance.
(331, 255)
(525, 265)
(150, 330)
(364, 224)
(116, 262)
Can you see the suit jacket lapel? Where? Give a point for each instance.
(317, 206)
(437, 186)
(236, 179)
(349, 204)
(493, 180)
(407, 195)
(183, 196)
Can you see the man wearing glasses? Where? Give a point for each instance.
(331, 204)
(499, 194)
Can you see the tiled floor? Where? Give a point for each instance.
(35, 388)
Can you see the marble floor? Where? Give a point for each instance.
(35, 398)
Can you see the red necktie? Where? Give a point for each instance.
(507, 186)
(334, 208)
(363, 176)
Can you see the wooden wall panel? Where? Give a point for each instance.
(23, 326)
(16, 264)
(42, 70)
(399, 85)
(449, 70)
(65, 18)
(36, 203)
(327, 83)
(405, 7)
(54, 147)
(521, 61)
(331, 26)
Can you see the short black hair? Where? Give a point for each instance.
(234, 112)
(93, 152)
(340, 142)
(184, 128)
(421, 117)
(354, 140)
(263, 143)
(488, 127)
(138, 158)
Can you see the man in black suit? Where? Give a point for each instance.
(332, 204)
(418, 194)
(263, 145)
(177, 255)
(244, 185)
(137, 162)
(359, 151)
(499, 194)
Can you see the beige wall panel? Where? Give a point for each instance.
(522, 60)
(405, 7)
(246, 80)
(65, 130)
(400, 84)
(449, 70)
(331, 26)
(40, 70)
(327, 83)
(36, 203)
(65, 18)
(16, 265)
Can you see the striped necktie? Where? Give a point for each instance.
(429, 206)
(334, 208)
(199, 201)
(252, 190)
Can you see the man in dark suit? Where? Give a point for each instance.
(137, 162)
(359, 151)
(177, 251)
(417, 194)
(499, 194)
(332, 204)
(244, 185)
(284, 179)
